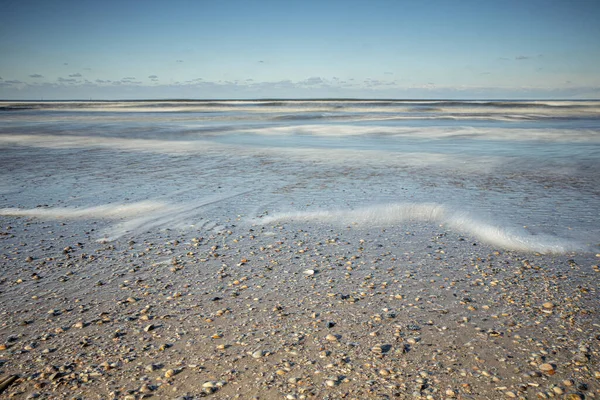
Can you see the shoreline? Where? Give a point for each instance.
(292, 311)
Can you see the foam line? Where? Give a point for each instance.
(393, 214)
(109, 211)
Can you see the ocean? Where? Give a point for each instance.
(516, 175)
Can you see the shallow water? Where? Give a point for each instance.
(517, 175)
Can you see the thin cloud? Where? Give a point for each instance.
(129, 78)
(77, 75)
(315, 80)
(65, 80)
(522, 58)
(153, 77)
(36, 76)
(179, 61)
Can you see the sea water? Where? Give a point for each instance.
(520, 175)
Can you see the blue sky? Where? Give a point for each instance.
(261, 49)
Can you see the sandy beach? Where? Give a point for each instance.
(288, 311)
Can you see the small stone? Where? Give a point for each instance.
(377, 349)
(450, 393)
(548, 305)
(557, 390)
(309, 272)
(582, 386)
(330, 382)
(512, 395)
(149, 328)
(258, 354)
(547, 369)
(209, 390)
(145, 389)
(597, 374)
(169, 373)
(150, 367)
(105, 365)
(574, 396)
(332, 338)
(208, 385)
(55, 376)
(568, 382)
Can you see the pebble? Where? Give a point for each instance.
(258, 354)
(574, 396)
(547, 369)
(332, 338)
(169, 373)
(145, 389)
(377, 349)
(151, 367)
(557, 390)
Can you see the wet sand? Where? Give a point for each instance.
(291, 311)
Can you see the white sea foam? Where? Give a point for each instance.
(108, 211)
(394, 214)
(134, 218)
(481, 133)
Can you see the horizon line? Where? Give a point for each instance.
(178, 99)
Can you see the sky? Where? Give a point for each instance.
(471, 49)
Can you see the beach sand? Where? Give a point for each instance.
(291, 311)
